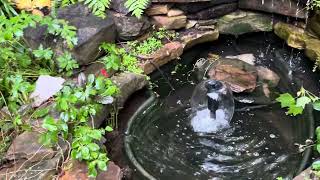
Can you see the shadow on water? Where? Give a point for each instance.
(259, 144)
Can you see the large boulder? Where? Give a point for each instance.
(118, 6)
(196, 7)
(242, 22)
(130, 27)
(283, 7)
(192, 37)
(91, 32)
(240, 76)
(294, 36)
(214, 11)
(158, 9)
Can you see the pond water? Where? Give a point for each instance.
(257, 144)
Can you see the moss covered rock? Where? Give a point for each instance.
(294, 36)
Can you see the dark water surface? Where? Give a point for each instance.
(259, 144)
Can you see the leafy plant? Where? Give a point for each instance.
(66, 63)
(137, 7)
(296, 105)
(314, 4)
(77, 106)
(119, 59)
(6, 9)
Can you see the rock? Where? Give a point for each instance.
(178, 1)
(130, 27)
(128, 83)
(268, 76)
(79, 171)
(283, 7)
(192, 37)
(248, 58)
(44, 170)
(91, 32)
(314, 24)
(168, 52)
(240, 76)
(175, 12)
(307, 174)
(27, 146)
(214, 11)
(176, 22)
(242, 22)
(191, 8)
(46, 87)
(266, 90)
(312, 49)
(294, 36)
(191, 24)
(119, 7)
(158, 9)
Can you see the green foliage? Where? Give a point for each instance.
(118, 59)
(296, 105)
(315, 4)
(66, 63)
(151, 44)
(137, 7)
(77, 106)
(6, 9)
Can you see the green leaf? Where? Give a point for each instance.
(109, 129)
(286, 100)
(41, 112)
(49, 124)
(294, 110)
(85, 152)
(303, 101)
(316, 165)
(102, 165)
(93, 147)
(316, 105)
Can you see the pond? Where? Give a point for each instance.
(260, 142)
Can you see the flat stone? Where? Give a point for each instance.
(192, 37)
(294, 36)
(167, 53)
(130, 27)
(283, 7)
(265, 74)
(240, 76)
(46, 87)
(27, 146)
(175, 12)
(213, 12)
(248, 58)
(241, 22)
(91, 32)
(192, 8)
(176, 22)
(158, 9)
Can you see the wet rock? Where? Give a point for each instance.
(268, 76)
(46, 87)
(168, 52)
(176, 22)
(175, 12)
(294, 36)
(248, 58)
(242, 22)
(79, 171)
(192, 37)
(240, 76)
(128, 83)
(314, 24)
(130, 27)
(312, 49)
(214, 11)
(306, 174)
(191, 23)
(91, 32)
(191, 8)
(158, 9)
(284, 7)
(27, 146)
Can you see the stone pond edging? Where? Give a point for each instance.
(197, 21)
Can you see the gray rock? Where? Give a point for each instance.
(46, 87)
(196, 7)
(283, 7)
(242, 22)
(91, 32)
(214, 11)
(248, 58)
(130, 27)
(118, 6)
(268, 76)
(178, 1)
(176, 22)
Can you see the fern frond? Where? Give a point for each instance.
(7, 9)
(137, 7)
(98, 7)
